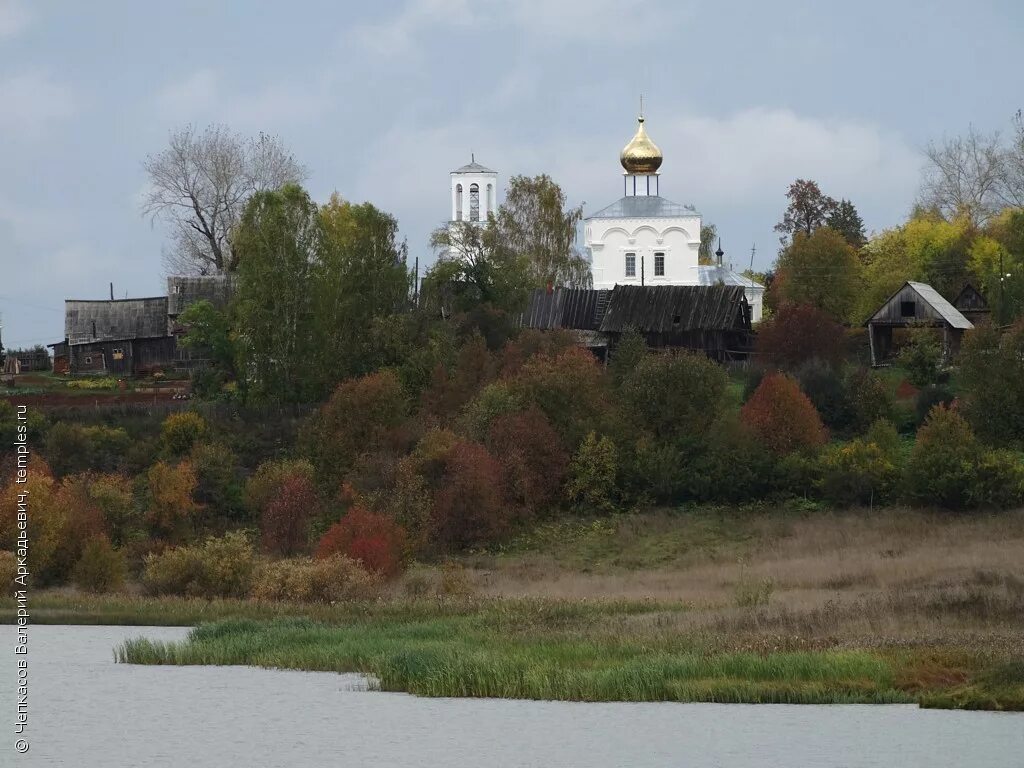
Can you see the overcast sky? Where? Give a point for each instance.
(381, 100)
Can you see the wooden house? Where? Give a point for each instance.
(915, 304)
(712, 318)
(183, 291)
(120, 337)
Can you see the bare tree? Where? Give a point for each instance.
(199, 185)
(1011, 187)
(965, 175)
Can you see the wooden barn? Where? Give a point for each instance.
(29, 359)
(915, 304)
(184, 290)
(120, 337)
(712, 318)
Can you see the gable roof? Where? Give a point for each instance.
(89, 321)
(675, 308)
(933, 299)
(575, 308)
(643, 207)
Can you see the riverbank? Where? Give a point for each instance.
(891, 606)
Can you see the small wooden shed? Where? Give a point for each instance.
(915, 304)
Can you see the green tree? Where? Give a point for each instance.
(992, 377)
(821, 270)
(278, 241)
(209, 329)
(809, 208)
(360, 276)
(845, 220)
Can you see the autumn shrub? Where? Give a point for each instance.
(45, 525)
(858, 472)
(285, 521)
(172, 509)
(80, 519)
(657, 472)
(530, 343)
(627, 354)
(373, 540)
(449, 391)
(262, 486)
(409, 503)
(533, 461)
(675, 395)
(868, 398)
(71, 448)
(797, 333)
(304, 580)
(217, 567)
(568, 388)
(112, 495)
(180, 431)
(592, 483)
(469, 507)
(998, 481)
(218, 479)
(100, 568)
(496, 399)
(929, 397)
(355, 420)
(943, 461)
(782, 417)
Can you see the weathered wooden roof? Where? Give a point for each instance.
(933, 308)
(88, 321)
(675, 308)
(183, 290)
(577, 308)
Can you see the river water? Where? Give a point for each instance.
(86, 711)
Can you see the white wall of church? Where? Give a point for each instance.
(610, 241)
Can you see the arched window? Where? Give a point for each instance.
(458, 202)
(474, 202)
(490, 198)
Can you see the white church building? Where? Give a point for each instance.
(641, 239)
(646, 239)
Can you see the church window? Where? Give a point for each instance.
(630, 265)
(659, 265)
(458, 202)
(474, 202)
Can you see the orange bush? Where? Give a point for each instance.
(469, 507)
(172, 507)
(376, 541)
(782, 416)
(284, 524)
(532, 457)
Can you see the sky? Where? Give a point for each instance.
(381, 100)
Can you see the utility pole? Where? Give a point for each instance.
(1002, 282)
(642, 269)
(753, 250)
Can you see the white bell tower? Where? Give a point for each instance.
(474, 192)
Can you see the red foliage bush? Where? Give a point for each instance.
(469, 506)
(782, 416)
(374, 540)
(532, 457)
(284, 524)
(797, 333)
(447, 393)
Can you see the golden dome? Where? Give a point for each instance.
(641, 156)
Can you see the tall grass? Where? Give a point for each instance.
(557, 652)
